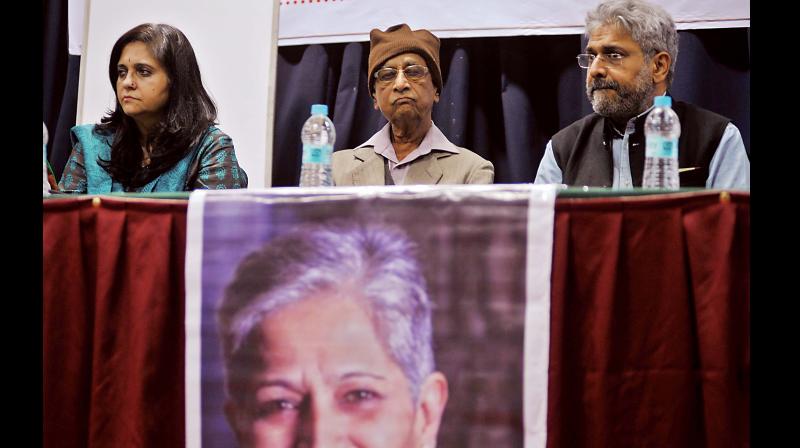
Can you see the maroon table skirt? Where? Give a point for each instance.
(649, 322)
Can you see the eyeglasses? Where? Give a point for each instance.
(586, 60)
(412, 73)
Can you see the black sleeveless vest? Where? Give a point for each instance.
(583, 149)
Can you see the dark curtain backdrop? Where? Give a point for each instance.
(60, 76)
(503, 97)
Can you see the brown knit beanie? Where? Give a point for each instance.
(399, 39)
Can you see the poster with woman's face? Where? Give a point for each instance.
(388, 320)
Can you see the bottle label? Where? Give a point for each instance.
(317, 154)
(658, 146)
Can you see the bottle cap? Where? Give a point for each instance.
(663, 101)
(319, 109)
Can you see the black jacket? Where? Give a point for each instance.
(583, 149)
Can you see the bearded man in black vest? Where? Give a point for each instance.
(630, 58)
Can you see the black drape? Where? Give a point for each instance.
(60, 147)
(503, 97)
(54, 59)
(60, 76)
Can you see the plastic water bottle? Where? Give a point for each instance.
(661, 130)
(318, 137)
(45, 183)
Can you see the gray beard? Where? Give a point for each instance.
(630, 101)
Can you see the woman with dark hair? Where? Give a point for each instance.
(162, 134)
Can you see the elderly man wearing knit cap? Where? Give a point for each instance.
(405, 81)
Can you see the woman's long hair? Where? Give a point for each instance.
(188, 113)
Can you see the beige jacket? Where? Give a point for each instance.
(363, 166)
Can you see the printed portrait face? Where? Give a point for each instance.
(326, 379)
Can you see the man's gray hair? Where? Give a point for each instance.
(649, 25)
(377, 260)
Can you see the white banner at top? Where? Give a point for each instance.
(327, 21)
